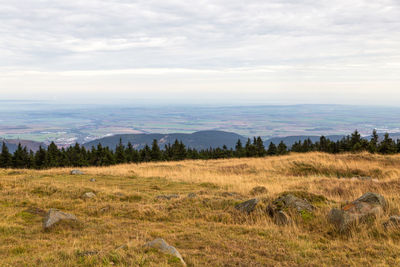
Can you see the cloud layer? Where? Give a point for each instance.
(263, 45)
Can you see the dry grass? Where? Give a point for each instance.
(207, 230)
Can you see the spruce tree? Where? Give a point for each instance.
(155, 151)
(20, 158)
(53, 156)
(272, 150)
(239, 151)
(373, 144)
(260, 147)
(120, 156)
(40, 158)
(5, 157)
(282, 149)
(387, 146)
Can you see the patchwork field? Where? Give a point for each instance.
(191, 205)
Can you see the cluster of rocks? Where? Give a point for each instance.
(367, 207)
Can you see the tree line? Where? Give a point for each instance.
(79, 156)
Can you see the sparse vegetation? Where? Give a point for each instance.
(205, 228)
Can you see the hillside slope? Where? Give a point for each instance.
(12, 144)
(131, 207)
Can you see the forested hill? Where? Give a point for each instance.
(197, 140)
(12, 144)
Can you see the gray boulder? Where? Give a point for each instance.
(55, 216)
(76, 172)
(369, 205)
(247, 206)
(287, 202)
(93, 180)
(163, 246)
(290, 201)
(88, 195)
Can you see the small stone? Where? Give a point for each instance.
(76, 172)
(247, 206)
(163, 246)
(105, 209)
(87, 253)
(88, 195)
(393, 222)
(230, 194)
(55, 216)
(258, 190)
(168, 197)
(191, 195)
(93, 180)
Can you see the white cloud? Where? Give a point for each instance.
(270, 41)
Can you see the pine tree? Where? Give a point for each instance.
(260, 147)
(155, 151)
(387, 146)
(355, 141)
(120, 156)
(20, 158)
(272, 150)
(239, 151)
(5, 157)
(250, 149)
(145, 154)
(53, 156)
(40, 158)
(129, 153)
(373, 144)
(282, 149)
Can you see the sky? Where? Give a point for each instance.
(201, 52)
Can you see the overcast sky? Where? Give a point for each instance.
(204, 51)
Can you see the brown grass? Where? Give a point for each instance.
(207, 230)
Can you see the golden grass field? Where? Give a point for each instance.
(207, 230)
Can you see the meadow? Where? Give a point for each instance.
(202, 222)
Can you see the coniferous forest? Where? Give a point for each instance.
(79, 156)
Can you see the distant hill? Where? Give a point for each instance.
(12, 144)
(197, 140)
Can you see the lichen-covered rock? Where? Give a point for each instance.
(88, 195)
(164, 247)
(55, 216)
(290, 201)
(258, 190)
(369, 205)
(247, 206)
(76, 172)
